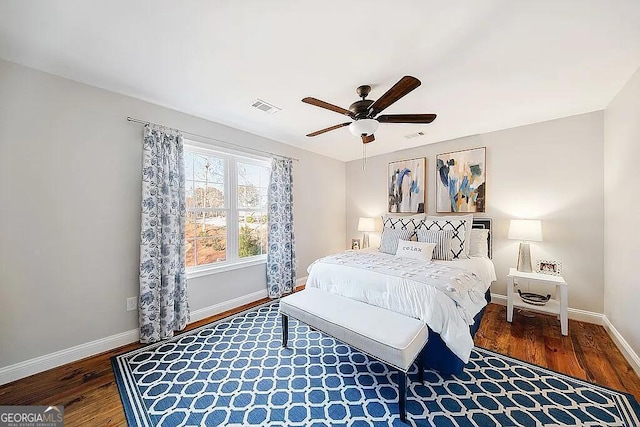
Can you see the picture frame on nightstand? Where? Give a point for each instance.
(355, 244)
(553, 268)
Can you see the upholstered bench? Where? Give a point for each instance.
(388, 336)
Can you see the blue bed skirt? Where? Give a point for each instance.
(436, 355)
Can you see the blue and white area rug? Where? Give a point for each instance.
(235, 372)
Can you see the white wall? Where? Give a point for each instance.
(551, 171)
(70, 182)
(622, 231)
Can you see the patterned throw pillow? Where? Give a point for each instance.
(442, 239)
(390, 238)
(405, 222)
(459, 232)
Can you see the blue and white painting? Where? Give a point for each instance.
(461, 181)
(406, 185)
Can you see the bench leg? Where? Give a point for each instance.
(285, 329)
(402, 395)
(420, 364)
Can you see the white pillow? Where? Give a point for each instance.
(415, 250)
(390, 238)
(479, 244)
(469, 225)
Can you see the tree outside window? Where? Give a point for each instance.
(253, 181)
(217, 205)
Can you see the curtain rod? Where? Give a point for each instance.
(146, 122)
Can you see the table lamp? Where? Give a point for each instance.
(525, 230)
(366, 225)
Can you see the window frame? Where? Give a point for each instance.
(231, 158)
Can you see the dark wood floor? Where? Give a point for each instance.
(588, 352)
(88, 391)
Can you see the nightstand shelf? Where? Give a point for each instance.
(557, 306)
(551, 307)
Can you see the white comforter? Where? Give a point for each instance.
(443, 296)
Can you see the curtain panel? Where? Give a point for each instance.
(163, 306)
(281, 256)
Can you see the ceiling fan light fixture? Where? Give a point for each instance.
(363, 127)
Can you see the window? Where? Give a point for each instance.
(226, 199)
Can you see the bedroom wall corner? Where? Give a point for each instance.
(550, 171)
(622, 234)
(70, 174)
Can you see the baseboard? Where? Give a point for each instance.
(585, 316)
(622, 344)
(52, 360)
(573, 313)
(212, 310)
(300, 281)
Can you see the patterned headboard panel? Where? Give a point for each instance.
(485, 223)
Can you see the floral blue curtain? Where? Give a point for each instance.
(281, 256)
(163, 306)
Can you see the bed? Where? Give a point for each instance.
(449, 296)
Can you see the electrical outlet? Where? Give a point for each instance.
(132, 303)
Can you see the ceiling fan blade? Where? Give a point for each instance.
(318, 132)
(397, 91)
(327, 106)
(406, 118)
(367, 139)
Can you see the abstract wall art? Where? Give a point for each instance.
(461, 181)
(406, 182)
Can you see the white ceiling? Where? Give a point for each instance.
(484, 65)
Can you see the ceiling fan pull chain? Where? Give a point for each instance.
(364, 157)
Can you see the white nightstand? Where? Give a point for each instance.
(554, 306)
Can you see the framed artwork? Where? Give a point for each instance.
(406, 182)
(549, 267)
(355, 244)
(461, 181)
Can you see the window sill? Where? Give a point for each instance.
(193, 272)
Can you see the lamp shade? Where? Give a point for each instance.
(526, 229)
(363, 127)
(366, 224)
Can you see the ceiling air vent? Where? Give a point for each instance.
(414, 135)
(265, 106)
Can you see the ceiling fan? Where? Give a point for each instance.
(365, 111)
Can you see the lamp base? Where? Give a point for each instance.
(524, 258)
(365, 240)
